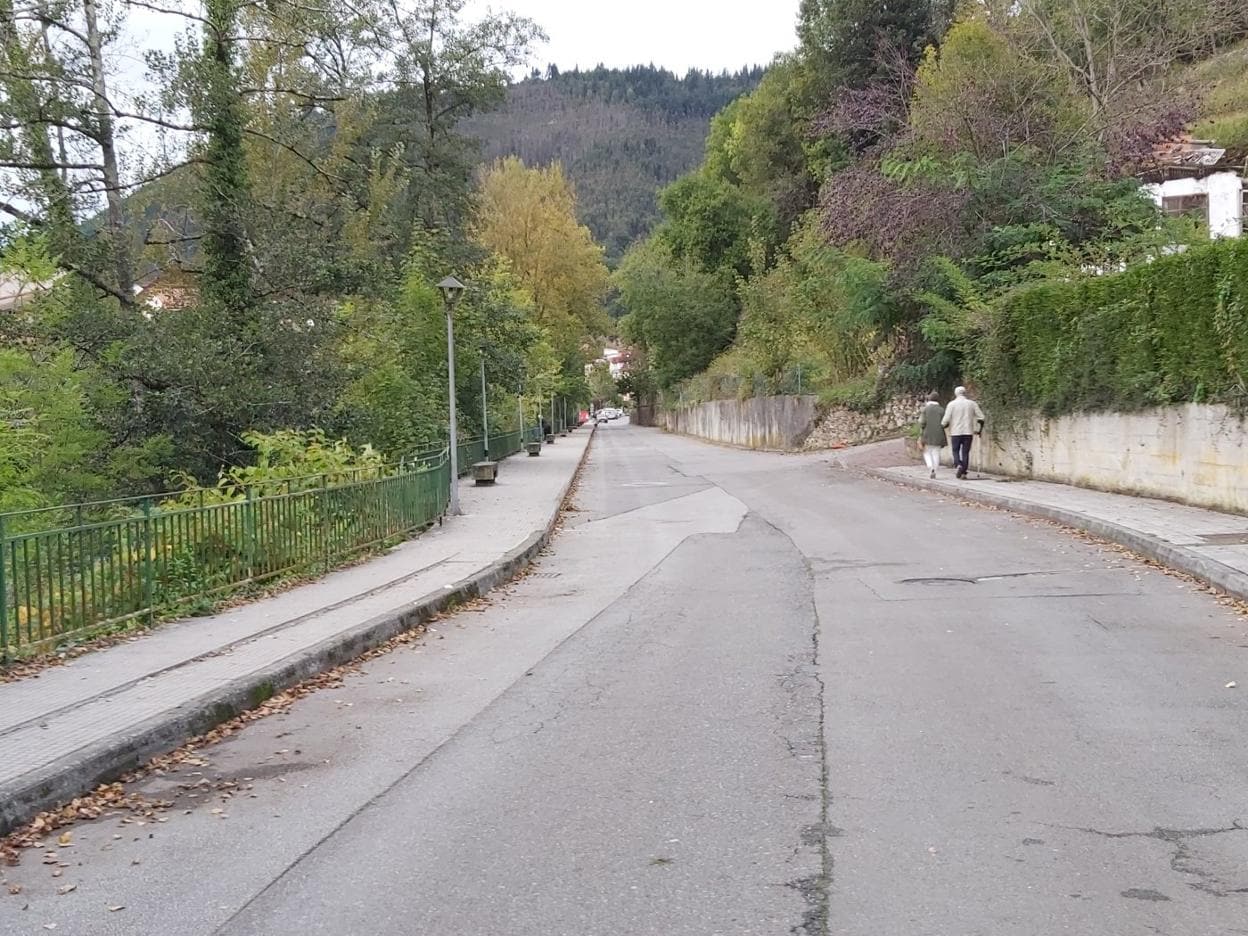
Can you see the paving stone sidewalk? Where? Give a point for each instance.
(105, 712)
(1210, 545)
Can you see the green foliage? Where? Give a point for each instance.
(818, 306)
(682, 314)
(711, 224)
(223, 185)
(973, 95)
(285, 461)
(759, 144)
(841, 38)
(1172, 331)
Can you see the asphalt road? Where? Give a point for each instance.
(742, 694)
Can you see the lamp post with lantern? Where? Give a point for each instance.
(452, 289)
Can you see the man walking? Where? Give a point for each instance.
(964, 420)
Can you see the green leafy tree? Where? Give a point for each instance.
(682, 315)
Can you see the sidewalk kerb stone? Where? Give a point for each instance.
(1222, 577)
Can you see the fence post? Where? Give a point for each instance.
(149, 582)
(249, 530)
(5, 656)
(325, 550)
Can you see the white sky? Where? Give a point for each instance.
(674, 34)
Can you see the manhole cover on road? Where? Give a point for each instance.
(544, 574)
(1226, 539)
(945, 580)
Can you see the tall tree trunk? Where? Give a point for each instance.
(118, 230)
(226, 283)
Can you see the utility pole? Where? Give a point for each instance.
(485, 409)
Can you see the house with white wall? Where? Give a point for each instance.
(1194, 177)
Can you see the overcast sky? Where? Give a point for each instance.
(675, 34)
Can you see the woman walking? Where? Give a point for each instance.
(933, 432)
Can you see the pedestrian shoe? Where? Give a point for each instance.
(933, 474)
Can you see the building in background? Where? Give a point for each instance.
(1195, 178)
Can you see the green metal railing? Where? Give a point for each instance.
(142, 558)
(68, 571)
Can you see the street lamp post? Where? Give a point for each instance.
(520, 410)
(452, 289)
(485, 408)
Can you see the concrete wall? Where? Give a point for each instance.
(1195, 454)
(779, 422)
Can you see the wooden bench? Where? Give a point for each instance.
(485, 472)
(533, 448)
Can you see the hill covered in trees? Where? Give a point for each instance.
(621, 135)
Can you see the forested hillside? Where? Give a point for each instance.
(929, 192)
(621, 135)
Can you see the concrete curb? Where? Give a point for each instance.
(81, 772)
(1220, 576)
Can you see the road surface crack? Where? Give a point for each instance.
(815, 888)
(1182, 861)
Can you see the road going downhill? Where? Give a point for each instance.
(741, 694)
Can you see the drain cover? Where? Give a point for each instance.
(1226, 539)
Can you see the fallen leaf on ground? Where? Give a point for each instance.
(66, 839)
(1232, 684)
(66, 889)
(115, 907)
(15, 889)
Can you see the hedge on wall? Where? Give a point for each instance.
(1171, 331)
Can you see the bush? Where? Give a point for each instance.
(1171, 331)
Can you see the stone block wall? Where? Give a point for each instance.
(839, 427)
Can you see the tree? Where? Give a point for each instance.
(224, 189)
(975, 96)
(840, 38)
(602, 386)
(710, 223)
(528, 217)
(1116, 51)
(446, 68)
(681, 315)
(58, 150)
(759, 143)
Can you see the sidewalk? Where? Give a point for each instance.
(92, 719)
(1209, 545)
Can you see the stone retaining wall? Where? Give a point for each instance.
(839, 427)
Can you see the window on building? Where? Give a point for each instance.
(1182, 206)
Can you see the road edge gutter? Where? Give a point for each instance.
(1216, 574)
(105, 761)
